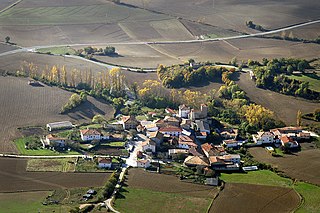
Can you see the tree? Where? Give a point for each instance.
(98, 119)
(317, 114)
(299, 116)
(234, 61)
(7, 39)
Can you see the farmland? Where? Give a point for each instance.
(13, 177)
(144, 187)
(313, 79)
(23, 105)
(237, 197)
(304, 165)
(51, 165)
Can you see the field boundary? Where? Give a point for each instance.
(10, 6)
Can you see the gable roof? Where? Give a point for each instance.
(53, 137)
(286, 139)
(128, 118)
(149, 142)
(90, 132)
(206, 147)
(196, 160)
(170, 129)
(156, 134)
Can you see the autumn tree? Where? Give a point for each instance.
(299, 117)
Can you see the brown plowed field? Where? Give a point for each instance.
(304, 165)
(23, 105)
(138, 178)
(13, 177)
(249, 198)
(284, 106)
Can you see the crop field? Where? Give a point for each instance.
(162, 192)
(51, 165)
(285, 107)
(13, 177)
(304, 165)
(23, 105)
(237, 197)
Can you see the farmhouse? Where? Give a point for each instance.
(129, 122)
(231, 143)
(263, 138)
(149, 146)
(143, 163)
(52, 140)
(186, 142)
(92, 134)
(105, 163)
(288, 142)
(171, 130)
(59, 125)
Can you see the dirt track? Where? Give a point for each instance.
(13, 177)
(249, 198)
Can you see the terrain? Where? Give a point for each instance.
(24, 105)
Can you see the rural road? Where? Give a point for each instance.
(52, 156)
(34, 48)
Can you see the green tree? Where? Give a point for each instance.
(299, 116)
(7, 39)
(98, 119)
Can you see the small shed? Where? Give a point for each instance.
(91, 192)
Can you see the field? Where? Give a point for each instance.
(58, 50)
(285, 107)
(23, 105)
(143, 187)
(313, 79)
(304, 165)
(51, 165)
(14, 178)
(239, 197)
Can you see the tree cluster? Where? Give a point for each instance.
(107, 51)
(178, 76)
(252, 25)
(74, 101)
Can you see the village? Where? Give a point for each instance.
(181, 136)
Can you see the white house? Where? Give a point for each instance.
(149, 145)
(263, 138)
(184, 111)
(231, 158)
(53, 140)
(171, 130)
(92, 134)
(105, 163)
(143, 163)
(230, 143)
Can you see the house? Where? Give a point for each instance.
(151, 127)
(171, 130)
(229, 134)
(303, 136)
(199, 114)
(59, 125)
(143, 163)
(92, 134)
(52, 140)
(203, 126)
(149, 146)
(231, 158)
(231, 143)
(288, 142)
(105, 163)
(225, 162)
(201, 135)
(156, 137)
(183, 111)
(171, 121)
(171, 112)
(186, 124)
(194, 161)
(207, 149)
(186, 142)
(219, 150)
(129, 122)
(195, 151)
(172, 152)
(263, 138)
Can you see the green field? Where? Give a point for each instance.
(51, 165)
(309, 192)
(58, 50)
(154, 201)
(116, 144)
(21, 142)
(28, 202)
(313, 79)
(75, 14)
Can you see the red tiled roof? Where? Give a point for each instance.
(170, 129)
(105, 160)
(286, 139)
(90, 132)
(206, 147)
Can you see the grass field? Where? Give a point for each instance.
(51, 165)
(116, 144)
(154, 201)
(261, 177)
(28, 202)
(58, 50)
(21, 142)
(309, 192)
(313, 79)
